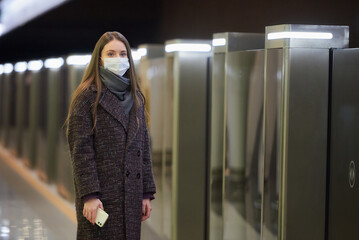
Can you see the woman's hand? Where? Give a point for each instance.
(90, 209)
(146, 209)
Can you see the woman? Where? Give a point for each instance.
(109, 145)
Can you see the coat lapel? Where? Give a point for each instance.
(111, 104)
(132, 126)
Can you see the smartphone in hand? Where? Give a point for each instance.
(101, 217)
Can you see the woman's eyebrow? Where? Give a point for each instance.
(111, 50)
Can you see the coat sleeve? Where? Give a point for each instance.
(81, 144)
(148, 182)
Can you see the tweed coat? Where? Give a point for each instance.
(113, 160)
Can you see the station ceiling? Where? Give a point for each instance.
(75, 26)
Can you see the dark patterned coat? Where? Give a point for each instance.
(113, 160)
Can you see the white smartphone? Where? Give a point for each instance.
(101, 217)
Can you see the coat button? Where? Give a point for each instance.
(127, 173)
(138, 153)
(138, 175)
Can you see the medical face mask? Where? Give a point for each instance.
(116, 65)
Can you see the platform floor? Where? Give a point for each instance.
(29, 208)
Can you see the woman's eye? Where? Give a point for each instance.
(123, 54)
(110, 54)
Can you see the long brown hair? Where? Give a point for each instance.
(91, 75)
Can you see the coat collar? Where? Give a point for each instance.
(111, 104)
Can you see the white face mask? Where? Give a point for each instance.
(116, 65)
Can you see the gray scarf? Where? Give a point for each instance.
(120, 86)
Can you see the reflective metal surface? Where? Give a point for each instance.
(272, 124)
(189, 153)
(167, 150)
(21, 110)
(339, 36)
(28, 140)
(343, 210)
(67, 83)
(216, 147)
(42, 124)
(2, 105)
(295, 143)
(243, 121)
(38, 79)
(152, 76)
(295, 131)
(236, 107)
(237, 41)
(9, 134)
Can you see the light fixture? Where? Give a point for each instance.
(54, 63)
(35, 65)
(8, 68)
(188, 47)
(142, 51)
(4, 232)
(136, 56)
(20, 67)
(1, 69)
(78, 59)
(15, 13)
(2, 28)
(299, 35)
(218, 42)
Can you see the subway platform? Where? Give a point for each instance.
(33, 210)
(29, 208)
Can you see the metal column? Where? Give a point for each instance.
(152, 74)
(188, 74)
(237, 82)
(343, 210)
(295, 129)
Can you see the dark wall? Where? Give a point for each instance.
(199, 19)
(75, 26)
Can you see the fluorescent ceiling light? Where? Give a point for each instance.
(17, 12)
(8, 68)
(300, 35)
(35, 65)
(2, 29)
(54, 63)
(136, 56)
(218, 42)
(1, 69)
(78, 59)
(188, 47)
(20, 67)
(142, 51)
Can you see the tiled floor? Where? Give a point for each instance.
(25, 214)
